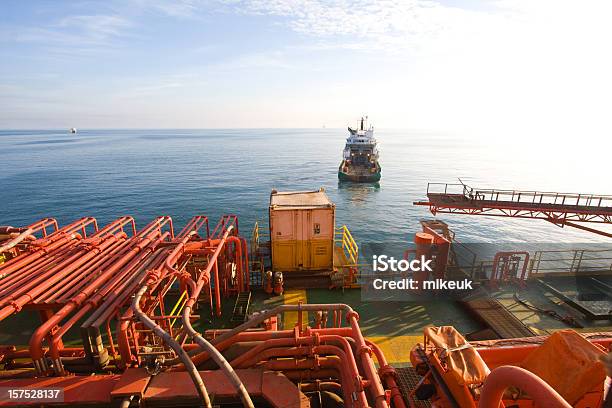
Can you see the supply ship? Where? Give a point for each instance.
(121, 315)
(360, 156)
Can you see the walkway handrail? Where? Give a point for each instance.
(522, 196)
(350, 247)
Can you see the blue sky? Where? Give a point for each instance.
(519, 65)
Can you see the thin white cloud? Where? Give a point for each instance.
(96, 27)
(520, 67)
(172, 8)
(82, 35)
(273, 59)
(388, 24)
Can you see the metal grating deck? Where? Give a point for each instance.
(407, 380)
(498, 318)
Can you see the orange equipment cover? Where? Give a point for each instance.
(569, 363)
(461, 359)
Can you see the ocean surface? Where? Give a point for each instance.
(145, 173)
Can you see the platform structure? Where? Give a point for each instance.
(558, 208)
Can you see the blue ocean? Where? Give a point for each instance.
(145, 173)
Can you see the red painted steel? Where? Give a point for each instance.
(558, 208)
(503, 377)
(457, 384)
(82, 276)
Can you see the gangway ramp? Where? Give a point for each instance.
(558, 208)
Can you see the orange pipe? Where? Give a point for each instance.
(29, 232)
(203, 356)
(37, 337)
(253, 336)
(48, 244)
(542, 394)
(52, 242)
(54, 275)
(130, 261)
(376, 389)
(25, 273)
(388, 374)
(248, 359)
(312, 366)
(124, 321)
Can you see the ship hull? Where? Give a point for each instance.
(358, 175)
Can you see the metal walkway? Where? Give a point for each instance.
(495, 316)
(558, 208)
(407, 380)
(241, 308)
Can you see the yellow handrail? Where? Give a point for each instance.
(256, 237)
(348, 244)
(178, 306)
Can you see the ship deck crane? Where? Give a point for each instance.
(561, 209)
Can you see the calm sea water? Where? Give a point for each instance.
(145, 173)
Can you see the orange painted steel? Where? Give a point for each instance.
(89, 297)
(457, 384)
(85, 252)
(500, 269)
(39, 248)
(115, 283)
(558, 208)
(500, 379)
(10, 237)
(362, 351)
(388, 375)
(441, 243)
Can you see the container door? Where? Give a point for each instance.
(284, 248)
(305, 239)
(321, 236)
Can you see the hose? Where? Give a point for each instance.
(203, 343)
(219, 359)
(569, 320)
(167, 339)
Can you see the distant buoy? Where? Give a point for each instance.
(73, 130)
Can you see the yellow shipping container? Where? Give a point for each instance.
(302, 231)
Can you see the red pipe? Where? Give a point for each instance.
(254, 355)
(351, 379)
(222, 342)
(54, 275)
(125, 320)
(376, 389)
(51, 242)
(130, 260)
(62, 236)
(388, 374)
(29, 232)
(37, 337)
(25, 273)
(542, 394)
(204, 279)
(38, 278)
